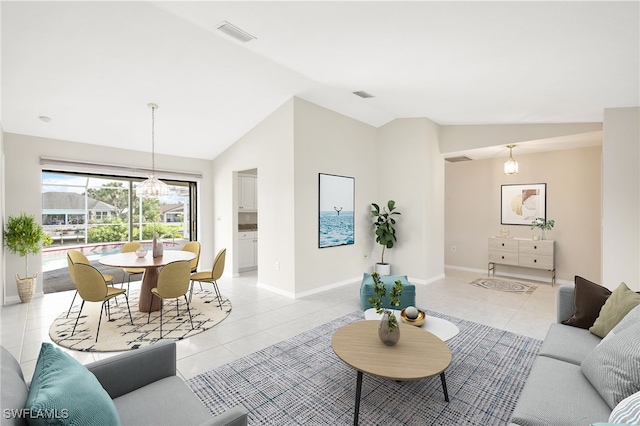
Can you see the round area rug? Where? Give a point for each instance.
(119, 335)
(504, 285)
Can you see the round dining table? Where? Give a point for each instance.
(151, 267)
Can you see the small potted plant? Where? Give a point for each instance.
(388, 331)
(24, 236)
(544, 225)
(385, 232)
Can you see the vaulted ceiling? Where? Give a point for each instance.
(92, 67)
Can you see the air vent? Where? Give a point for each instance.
(458, 159)
(363, 94)
(235, 32)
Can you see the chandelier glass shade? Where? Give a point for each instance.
(152, 187)
(511, 165)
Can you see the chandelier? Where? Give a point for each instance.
(511, 165)
(152, 187)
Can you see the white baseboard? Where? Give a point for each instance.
(509, 275)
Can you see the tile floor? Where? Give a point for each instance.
(260, 318)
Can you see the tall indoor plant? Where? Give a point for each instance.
(385, 232)
(24, 236)
(389, 332)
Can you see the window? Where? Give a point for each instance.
(97, 209)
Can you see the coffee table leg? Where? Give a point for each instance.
(356, 413)
(444, 387)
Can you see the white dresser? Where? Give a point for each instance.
(522, 252)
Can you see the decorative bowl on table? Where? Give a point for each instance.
(418, 321)
(141, 252)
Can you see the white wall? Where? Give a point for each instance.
(411, 172)
(621, 198)
(2, 220)
(331, 143)
(268, 147)
(23, 192)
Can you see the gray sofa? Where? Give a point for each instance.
(556, 391)
(142, 383)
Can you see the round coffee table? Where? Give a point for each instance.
(417, 355)
(442, 328)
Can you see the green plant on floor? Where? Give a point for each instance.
(384, 224)
(381, 291)
(24, 236)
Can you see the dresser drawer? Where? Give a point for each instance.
(536, 261)
(536, 247)
(507, 244)
(503, 257)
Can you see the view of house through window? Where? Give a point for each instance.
(97, 214)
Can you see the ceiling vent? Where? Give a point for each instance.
(363, 94)
(458, 159)
(235, 32)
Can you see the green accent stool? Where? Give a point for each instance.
(408, 297)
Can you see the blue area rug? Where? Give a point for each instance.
(300, 381)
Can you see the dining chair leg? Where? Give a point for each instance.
(74, 327)
(128, 307)
(100, 320)
(150, 304)
(190, 292)
(189, 311)
(71, 306)
(161, 322)
(217, 290)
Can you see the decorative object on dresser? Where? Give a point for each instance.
(544, 225)
(522, 252)
(385, 231)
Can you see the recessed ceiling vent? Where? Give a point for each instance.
(458, 159)
(235, 32)
(363, 94)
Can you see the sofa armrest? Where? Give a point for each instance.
(132, 370)
(566, 305)
(236, 416)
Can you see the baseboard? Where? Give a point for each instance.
(509, 275)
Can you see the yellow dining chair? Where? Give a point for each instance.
(128, 248)
(92, 287)
(193, 247)
(212, 276)
(76, 256)
(173, 282)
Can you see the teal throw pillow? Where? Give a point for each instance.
(64, 392)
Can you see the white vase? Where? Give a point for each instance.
(26, 287)
(383, 268)
(387, 336)
(141, 252)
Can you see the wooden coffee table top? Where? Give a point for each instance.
(418, 355)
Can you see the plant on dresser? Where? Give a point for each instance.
(544, 225)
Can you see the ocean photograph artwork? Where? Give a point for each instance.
(335, 212)
(336, 229)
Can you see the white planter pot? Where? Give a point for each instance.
(26, 287)
(383, 268)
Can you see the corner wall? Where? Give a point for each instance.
(621, 198)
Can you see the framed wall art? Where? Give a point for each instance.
(522, 203)
(335, 210)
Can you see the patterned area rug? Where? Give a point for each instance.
(120, 335)
(300, 381)
(504, 285)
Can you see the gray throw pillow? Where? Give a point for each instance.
(613, 367)
(633, 317)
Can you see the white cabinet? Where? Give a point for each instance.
(247, 250)
(247, 193)
(537, 254)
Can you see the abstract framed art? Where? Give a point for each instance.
(336, 197)
(522, 203)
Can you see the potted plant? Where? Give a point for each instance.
(24, 236)
(385, 232)
(389, 332)
(544, 225)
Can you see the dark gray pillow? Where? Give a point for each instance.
(588, 300)
(613, 367)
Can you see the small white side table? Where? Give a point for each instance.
(439, 327)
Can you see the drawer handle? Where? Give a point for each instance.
(502, 244)
(503, 257)
(535, 247)
(535, 260)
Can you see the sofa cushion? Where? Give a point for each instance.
(569, 344)
(557, 393)
(613, 367)
(64, 389)
(588, 299)
(617, 306)
(13, 389)
(407, 298)
(631, 318)
(627, 411)
(168, 401)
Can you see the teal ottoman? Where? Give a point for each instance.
(407, 298)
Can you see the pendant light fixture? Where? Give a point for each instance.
(511, 165)
(152, 187)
